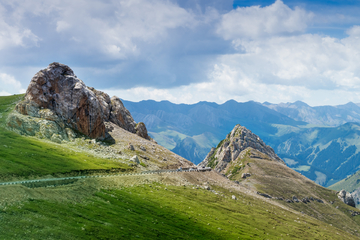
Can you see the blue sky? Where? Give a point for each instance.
(187, 51)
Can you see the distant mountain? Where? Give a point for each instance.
(321, 115)
(191, 130)
(324, 154)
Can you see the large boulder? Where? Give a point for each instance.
(347, 198)
(57, 88)
(141, 130)
(56, 94)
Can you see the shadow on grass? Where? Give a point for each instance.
(109, 214)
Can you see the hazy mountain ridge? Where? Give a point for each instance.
(166, 120)
(320, 115)
(325, 154)
(333, 151)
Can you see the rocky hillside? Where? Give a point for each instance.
(59, 107)
(57, 102)
(245, 159)
(232, 148)
(191, 205)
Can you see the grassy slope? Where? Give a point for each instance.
(136, 212)
(153, 212)
(279, 181)
(23, 156)
(349, 184)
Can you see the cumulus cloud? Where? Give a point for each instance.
(184, 51)
(9, 85)
(312, 61)
(255, 21)
(354, 31)
(115, 28)
(12, 36)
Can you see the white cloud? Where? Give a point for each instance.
(218, 92)
(62, 26)
(259, 53)
(114, 27)
(9, 85)
(254, 22)
(12, 32)
(11, 36)
(3, 93)
(354, 31)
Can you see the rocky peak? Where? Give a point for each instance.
(71, 103)
(233, 146)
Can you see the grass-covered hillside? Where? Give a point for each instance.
(151, 210)
(243, 158)
(22, 156)
(349, 184)
(154, 206)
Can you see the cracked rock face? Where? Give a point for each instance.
(68, 102)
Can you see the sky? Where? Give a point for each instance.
(186, 51)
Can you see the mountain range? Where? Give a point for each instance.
(319, 115)
(318, 142)
(75, 165)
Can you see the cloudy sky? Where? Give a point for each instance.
(187, 51)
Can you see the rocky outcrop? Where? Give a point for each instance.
(233, 146)
(347, 198)
(56, 95)
(39, 127)
(121, 116)
(141, 130)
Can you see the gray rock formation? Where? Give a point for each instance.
(56, 100)
(141, 130)
(121, 116)
(40, 127)
(135, 159)
(233, 146)
(347, 198)
(131, 147)
(245, 175)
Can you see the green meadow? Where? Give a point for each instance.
(23, 157)
(85, 209)
(156, 211)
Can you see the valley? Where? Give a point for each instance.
(325, 151)
(127, 186)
